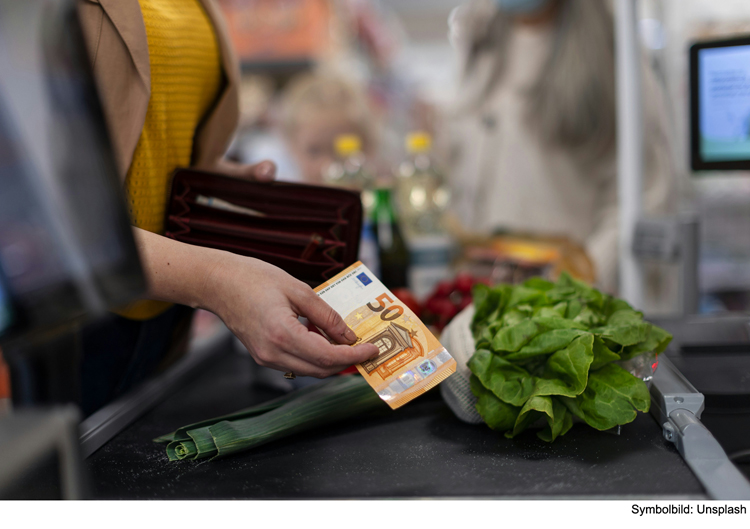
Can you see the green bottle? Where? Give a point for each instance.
(392, 251)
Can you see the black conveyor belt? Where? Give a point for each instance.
(421, 450)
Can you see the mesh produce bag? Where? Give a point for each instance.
(456, 391)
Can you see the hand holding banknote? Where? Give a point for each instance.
(410, 359)
(260, 304)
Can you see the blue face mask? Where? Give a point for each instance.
(521, 7)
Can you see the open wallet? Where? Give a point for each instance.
(311, 232)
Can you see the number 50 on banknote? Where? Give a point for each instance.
(411, 360)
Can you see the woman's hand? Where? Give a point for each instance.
(257, 301)
(260, 304)
(264, 171)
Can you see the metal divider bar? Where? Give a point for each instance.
(677, 406)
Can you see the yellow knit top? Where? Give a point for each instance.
(186, 77)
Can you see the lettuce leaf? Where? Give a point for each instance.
(510, 383)
(497, 414)
(611, 398)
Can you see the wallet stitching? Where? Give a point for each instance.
(238, 249)
(177, 219)
(337, 264)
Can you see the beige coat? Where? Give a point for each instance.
(115, 36)
(505, 177)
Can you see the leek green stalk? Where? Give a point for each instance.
(327, 402)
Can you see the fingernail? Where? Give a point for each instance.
(265, 169)
(349, 335)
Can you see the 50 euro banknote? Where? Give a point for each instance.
(411, 360)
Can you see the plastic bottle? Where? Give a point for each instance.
(350, 171)
(422, 194)
(423, 197)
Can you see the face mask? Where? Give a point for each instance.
(521, 7)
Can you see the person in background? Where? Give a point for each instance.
(532, 135)
(167, 79)
(316, 108)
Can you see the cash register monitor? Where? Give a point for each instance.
(66, 246)
(720, 104)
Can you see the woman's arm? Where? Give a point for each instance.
(260, 304)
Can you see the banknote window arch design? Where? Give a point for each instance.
(391, 342)
(384, 344)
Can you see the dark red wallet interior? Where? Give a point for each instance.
(311, 232)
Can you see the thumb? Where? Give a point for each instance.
(363, 351)
(262, 172)
(323, 316)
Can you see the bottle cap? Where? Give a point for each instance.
(347, 144)
(418, 142)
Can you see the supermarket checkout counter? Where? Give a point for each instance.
(423, 450)
(420, 450)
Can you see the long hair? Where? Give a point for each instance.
(573, 103)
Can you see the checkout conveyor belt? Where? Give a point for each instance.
(420, 450)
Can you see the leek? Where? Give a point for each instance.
(335, 399)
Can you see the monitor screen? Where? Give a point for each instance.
(720, 104)
(66, 246)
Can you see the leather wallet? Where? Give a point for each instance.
(311, 232)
